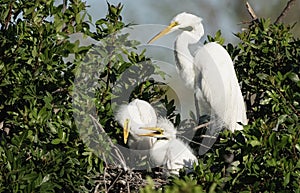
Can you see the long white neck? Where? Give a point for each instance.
(184, 58)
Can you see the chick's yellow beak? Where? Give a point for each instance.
(126, 130)
(163, 32)
(156, 132)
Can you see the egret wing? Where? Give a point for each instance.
(217, 81)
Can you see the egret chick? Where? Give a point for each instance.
(168, 151)
(133, 117)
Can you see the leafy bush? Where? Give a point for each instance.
(41, 150)
(267, 63)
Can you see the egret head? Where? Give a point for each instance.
(183, 21)
(138, 113)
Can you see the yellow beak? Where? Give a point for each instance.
(163, 32)
(126, 130)
(157, 132)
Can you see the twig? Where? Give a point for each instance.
(97, 187)
(197, 143)
(104, 174)
(251, 11)
(288, 6)
(114, 181)
(127, 183)
(201, 126)
(7, 19)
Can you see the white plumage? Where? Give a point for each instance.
(171, 153)
(209, 70)
(138, 114)
(168, 151)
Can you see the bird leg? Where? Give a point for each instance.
(197, 108)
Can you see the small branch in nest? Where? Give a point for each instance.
(288, 6)
(127, 183)
(114, 181)
(251, 11)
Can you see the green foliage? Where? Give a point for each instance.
(268, 67)
(269, 56)
(185, 185)
(110, 24)
(40, 147)
(218, 38)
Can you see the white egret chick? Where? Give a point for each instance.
(133, 117)
(209, 71)
(168, 151)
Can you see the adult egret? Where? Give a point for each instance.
(133, 117)
(168, 151)
(209, 71)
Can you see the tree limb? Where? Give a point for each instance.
(251, 11)
(288, 6)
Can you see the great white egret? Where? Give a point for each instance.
(168, 151)
(134, 116)
(209, 71)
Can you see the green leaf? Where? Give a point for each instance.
(56, 141)
(30, 176)
(254, 143)
(297, 146)
(294, 77)
(262, 76)
(272, 139)
(286, 179)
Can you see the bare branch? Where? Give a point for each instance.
(7, 19)
(251, 11)
(198, 142)
(201, 126)
(114, 181)
(288, 6)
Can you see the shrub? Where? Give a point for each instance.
(41, 149)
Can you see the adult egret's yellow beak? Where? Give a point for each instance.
(157, 132)
(126, 130)
(163, 32)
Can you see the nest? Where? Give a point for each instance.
(116, 179)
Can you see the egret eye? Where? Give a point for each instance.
(188, 28)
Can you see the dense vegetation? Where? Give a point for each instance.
(41, 149)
